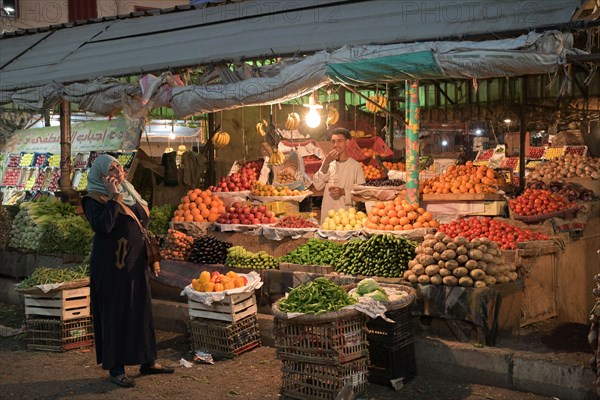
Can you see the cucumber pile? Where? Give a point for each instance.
(380, 255)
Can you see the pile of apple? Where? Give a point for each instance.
(344, 220)
(239, 181)
(247, 214)
(11, 177)
(539, 202)
(294, 221)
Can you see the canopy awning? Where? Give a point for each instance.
(252, 29)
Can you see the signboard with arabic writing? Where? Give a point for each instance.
(85, 137)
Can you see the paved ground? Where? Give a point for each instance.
(254, 375)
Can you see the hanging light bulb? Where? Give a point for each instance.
(172, 136)
(313, 119)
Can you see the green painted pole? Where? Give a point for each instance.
(413, 115)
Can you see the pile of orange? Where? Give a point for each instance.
(371, 172)
(394, 166)
(199, 206)
(399, 215)
(466, 178)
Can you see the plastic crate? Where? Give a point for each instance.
(333, 342)
(227, 340)
(391, 334)
(302, 380)
(387, 364)
(65, 305)
(52, 334)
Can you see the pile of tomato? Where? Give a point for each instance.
(506, 235)
(539, 202)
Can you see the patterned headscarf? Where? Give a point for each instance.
(100, 169)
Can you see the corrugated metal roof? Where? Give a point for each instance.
(253, 29)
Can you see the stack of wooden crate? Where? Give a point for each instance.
(226, 328)
(59, 321)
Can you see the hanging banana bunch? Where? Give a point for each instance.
(333, 116)
(381, 103)
(220, 139)
(276, 158)
(262, 127)
(293, 121)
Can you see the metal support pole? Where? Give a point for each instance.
(522, 135)
(65, 146)
(413, 116)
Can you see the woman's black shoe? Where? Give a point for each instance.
(122, 380)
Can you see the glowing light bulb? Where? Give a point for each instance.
(478, 132)
(445, 143)
(172, 136)
(313, 119)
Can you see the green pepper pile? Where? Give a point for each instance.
(315, 297)
(380, 255)
(314, 252)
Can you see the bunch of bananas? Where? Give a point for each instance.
(276, 158)
(333, 116)
(262, 127)
(381, 103)
(220, 139)
(293, 121)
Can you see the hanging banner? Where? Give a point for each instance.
(86, 136)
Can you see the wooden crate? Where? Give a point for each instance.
(231, 309)
(224, 339)
(66, 305)
(52, 334)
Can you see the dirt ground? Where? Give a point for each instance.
(254, 375)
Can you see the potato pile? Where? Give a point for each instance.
(567, 166)
(442, 260)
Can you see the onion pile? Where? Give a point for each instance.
(567, 166)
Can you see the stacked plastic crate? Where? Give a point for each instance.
(391, 344)
(323, 355)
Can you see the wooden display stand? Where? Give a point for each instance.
(65, 305)
(231, 309)
(481, 204)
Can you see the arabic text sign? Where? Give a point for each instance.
(85, 137)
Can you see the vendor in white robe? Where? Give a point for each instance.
(338, 174)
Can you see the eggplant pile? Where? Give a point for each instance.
(208, 249)
(571, 191)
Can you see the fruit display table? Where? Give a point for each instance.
(470, 313)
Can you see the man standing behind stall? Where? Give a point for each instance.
(338, 174)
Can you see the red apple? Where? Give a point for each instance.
(262, 208)
(246, 210)
(256, 221)
(266, 220)
(268, 213)
(259, 215)
(235, 221)
(273, 220)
